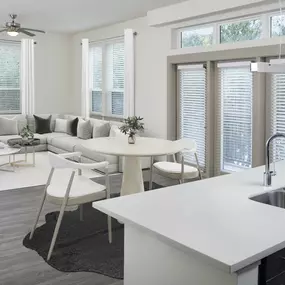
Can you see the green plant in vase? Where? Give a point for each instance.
(132, 125)
(26, 133)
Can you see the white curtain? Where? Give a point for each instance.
(27, 76)
(129, 99)
(85, 87)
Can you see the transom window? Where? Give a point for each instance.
(10, 95)
(240, 31)
(243, 29)
(197, 37)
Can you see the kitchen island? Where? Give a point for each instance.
(207, 232)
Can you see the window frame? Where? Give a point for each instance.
(205, 171)
(264, 17)
(236, 21)
(193, 28)
(218, 129)
(106, 101)
(13, 112)
(269, 16)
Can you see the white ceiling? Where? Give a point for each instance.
(71, 16)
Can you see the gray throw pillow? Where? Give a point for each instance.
(84, 130)
(101, 130)
(8, 127)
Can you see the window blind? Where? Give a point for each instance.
(192, 109)
(116, 77)
(96, 58)
(278, 114)
(10, 95)
(235, 116)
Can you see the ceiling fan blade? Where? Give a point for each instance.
(34, 30)
(3, 30)
(26, 32)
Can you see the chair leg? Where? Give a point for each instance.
(42, 201)
(62, 209)
(110, 229)
(38, 215)
(150, 173)
(56, 230)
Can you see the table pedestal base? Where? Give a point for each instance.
(132, 176)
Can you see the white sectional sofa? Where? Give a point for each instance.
(62, 142)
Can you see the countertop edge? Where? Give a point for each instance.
(205, 258)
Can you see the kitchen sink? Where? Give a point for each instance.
(274, 198)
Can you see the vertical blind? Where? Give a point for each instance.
(278, 114)
(108, 78)
(235, 116)
(192, 109)
(10, 95)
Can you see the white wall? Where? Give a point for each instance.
(196, 8)
(152, 47)
(52, 73)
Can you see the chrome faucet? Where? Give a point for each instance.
(268, 174)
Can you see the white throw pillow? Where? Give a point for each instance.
(101, 130)
(8, 127)
(115, 132)
(84, 130)
(61, 126)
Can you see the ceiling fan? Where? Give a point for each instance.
(13, 29)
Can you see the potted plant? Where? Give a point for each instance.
(26, 133)
(132, 125)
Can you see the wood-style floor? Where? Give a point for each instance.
(21, 266)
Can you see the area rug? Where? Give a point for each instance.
(82, 246)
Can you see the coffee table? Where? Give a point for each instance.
(8, 151)
(24, 144)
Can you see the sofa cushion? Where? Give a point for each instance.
(43, 126)
(101, 130)
(41, 137)
(4, 139)
(84, 130)
(8, 127)
(66, 143)
(95, 155)
(61, 125)
(72, 127)
(51, 136)
(31, 121)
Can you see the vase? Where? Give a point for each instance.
(132, 139)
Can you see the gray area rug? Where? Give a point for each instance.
(83, 246)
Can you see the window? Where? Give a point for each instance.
(96, 65)
(10, 95)
(278, 114)
(240, 31)
(277, 26)
(108, 76)
(197, 37)
(235, 107)
(192, 109)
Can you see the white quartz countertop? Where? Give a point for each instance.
(214, 219)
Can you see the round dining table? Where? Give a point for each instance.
(143, 147)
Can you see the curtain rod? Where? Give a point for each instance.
(107, 39)
(13, 41)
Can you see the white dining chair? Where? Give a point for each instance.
(78, 190)
(178, 170)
